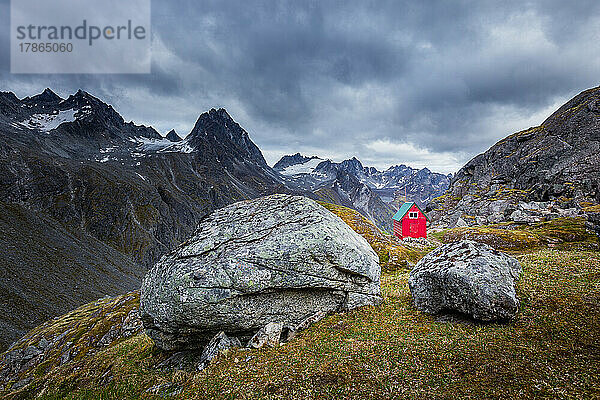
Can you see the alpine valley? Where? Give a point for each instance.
(91, 205)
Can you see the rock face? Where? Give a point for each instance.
(593, 222)
(556, 163)
(469, 277)
(277, 259)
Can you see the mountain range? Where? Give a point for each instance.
(376, 194)
(89, 201)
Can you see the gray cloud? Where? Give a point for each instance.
(427, 83)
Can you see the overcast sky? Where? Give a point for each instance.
(422, 83)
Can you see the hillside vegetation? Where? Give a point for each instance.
(550, 350)
(392, 254)
(390, 351)
(562, 233)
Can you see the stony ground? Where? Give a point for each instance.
(550, 350)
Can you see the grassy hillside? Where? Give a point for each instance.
(392, 254)
(550, 350)
(558, 233)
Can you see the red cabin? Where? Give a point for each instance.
(410, 221)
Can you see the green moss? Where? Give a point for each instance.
(79, 332)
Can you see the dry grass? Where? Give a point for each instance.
(592, 208)
(551, 350)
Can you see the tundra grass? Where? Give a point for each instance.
(390, 351)
(563, 233)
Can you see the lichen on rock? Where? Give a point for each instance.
(466, 277)
(279, 259)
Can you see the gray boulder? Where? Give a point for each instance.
(468, 277)
(217, 345)
(279, 259)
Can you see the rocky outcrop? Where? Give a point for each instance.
(80, 333)
(556, 163)
(277, 259)
(217, 345)
(466, 277)
(474, 211)
(593, 222)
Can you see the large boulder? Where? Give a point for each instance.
(468, 277)
(277, 259)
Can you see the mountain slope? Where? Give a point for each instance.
(111, 189)
(556, 163)
(46, 269)
(347, 191)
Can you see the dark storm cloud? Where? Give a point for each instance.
(424, 83)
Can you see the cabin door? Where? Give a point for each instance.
(413, 228)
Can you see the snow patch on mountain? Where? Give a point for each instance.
(304, 168)
(163, 145)
(181, 147)
(48, 122)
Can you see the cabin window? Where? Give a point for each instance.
(413, 215)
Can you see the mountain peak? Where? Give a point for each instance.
(47, 96)
(220, 130)
(352, 164)
(82, 94)
(220, 113)
(81, 97)
(173, 136)
(294, 159)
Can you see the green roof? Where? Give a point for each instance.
(404, 209)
